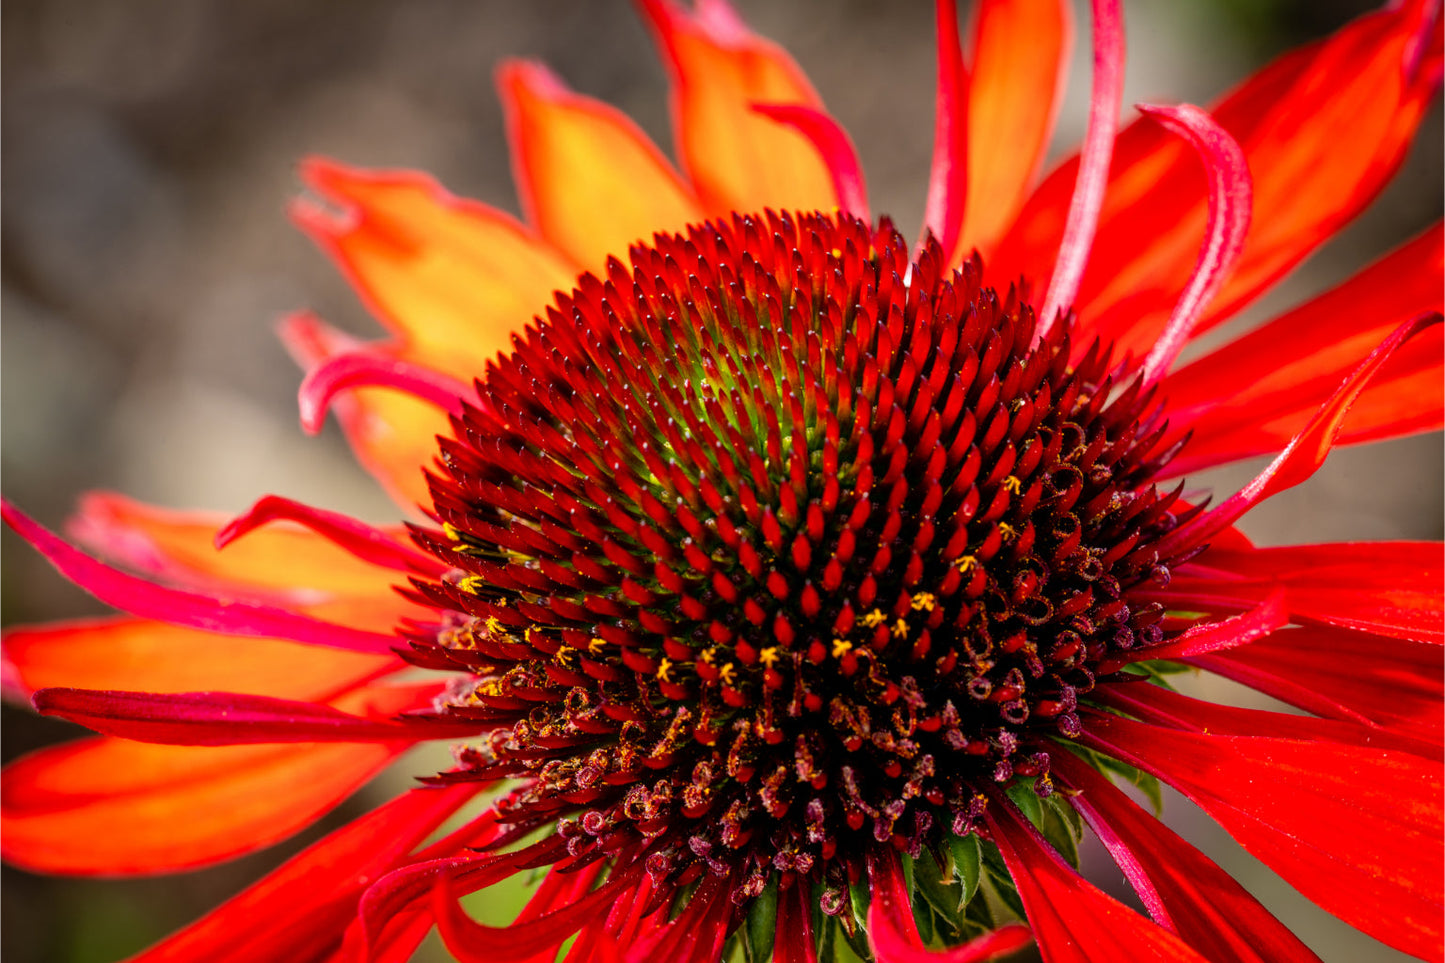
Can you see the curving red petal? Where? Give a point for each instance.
(894, 936)
(309, 901)
(697, 934)
(370, 368)
(735, 159)
(108, 806)
(1391, 588)
(1251, 395)
(1305, 453)
(188, 609)
(1230, 633)
(590, 180)
(1372, 679)
(945, 205)
(1230, 200)
(1072, 920)
(1181, 887)
(1012, 102)
(835, 147)
(363, 541)
(1355, 829)
(1077, 243)
(793, 941)
(149, 656)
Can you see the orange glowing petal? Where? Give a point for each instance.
(178, 547)
(392, 434)
(452, 278)
(737, 159)
(145, 656)
(114, 807)
(589, 179)
(1012, 103)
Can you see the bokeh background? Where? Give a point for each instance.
(149, 151)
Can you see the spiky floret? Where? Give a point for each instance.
(773, 546)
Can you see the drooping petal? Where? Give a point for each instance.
(589, 179)
(189, 609)
(1354, 829)
(309, 901)
(113, 807)
(1392, 588)
(364, 541)
(736, 159)
(363, 368)
(1012, 102)
(1230, 633)
(1072, 920)
(1343, 674)
(1251, 395)
(1077, 242)
(1181, 887)
(894, 936)
(453, 279)
(1330, 121)
(392, 434)
(793, 942)
(150, 656)
(233, 718)
(180, 547)
(1305, 453)
(1230, 200)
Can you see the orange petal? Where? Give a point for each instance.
(1012, 102)
(113, 807)
(392, 434)
(179, 547)
(737, 159)
(589, 178)
(452, 278)
(145, 656)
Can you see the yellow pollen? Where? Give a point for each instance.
(1007, 530)
(565, 653)
(769, 656)
(451, 531)
(900, 629)
(924, 602)
(595, 645)
(874, 618)
(965, 563)
(727, 673)
(1013, 484)
(472, 584)
(707, 654)
(494, 626)
(663, 668)
(841, 647)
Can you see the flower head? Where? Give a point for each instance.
(786, 583)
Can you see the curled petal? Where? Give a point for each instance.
(835, 147)
(188, 609)
(1088, 199)
(1230, 633)
(365, 368)
(1230, 199)
(364, 541)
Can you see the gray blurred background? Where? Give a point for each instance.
(149, 149)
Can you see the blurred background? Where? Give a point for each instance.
(149, 151)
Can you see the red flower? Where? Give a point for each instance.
(793, 584)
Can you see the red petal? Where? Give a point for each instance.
(1390, 588)
(589, 178)
(1230, 199)
(1182, 888)
(363, 541)
(1305, 454)
(1229, 633)
(308, 902)
(113, 807)
(793, 941)
(1073, 921)
(368, 368)
(1249, 397)
(698, 932)
(1357, 830)
(150, 656)
(231, 718)
(894, 936)
(188, 609)
(1011, 100)
(736, 159)
(1345, 675)
(945, 206)
(834, 146)
(1077, 242)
